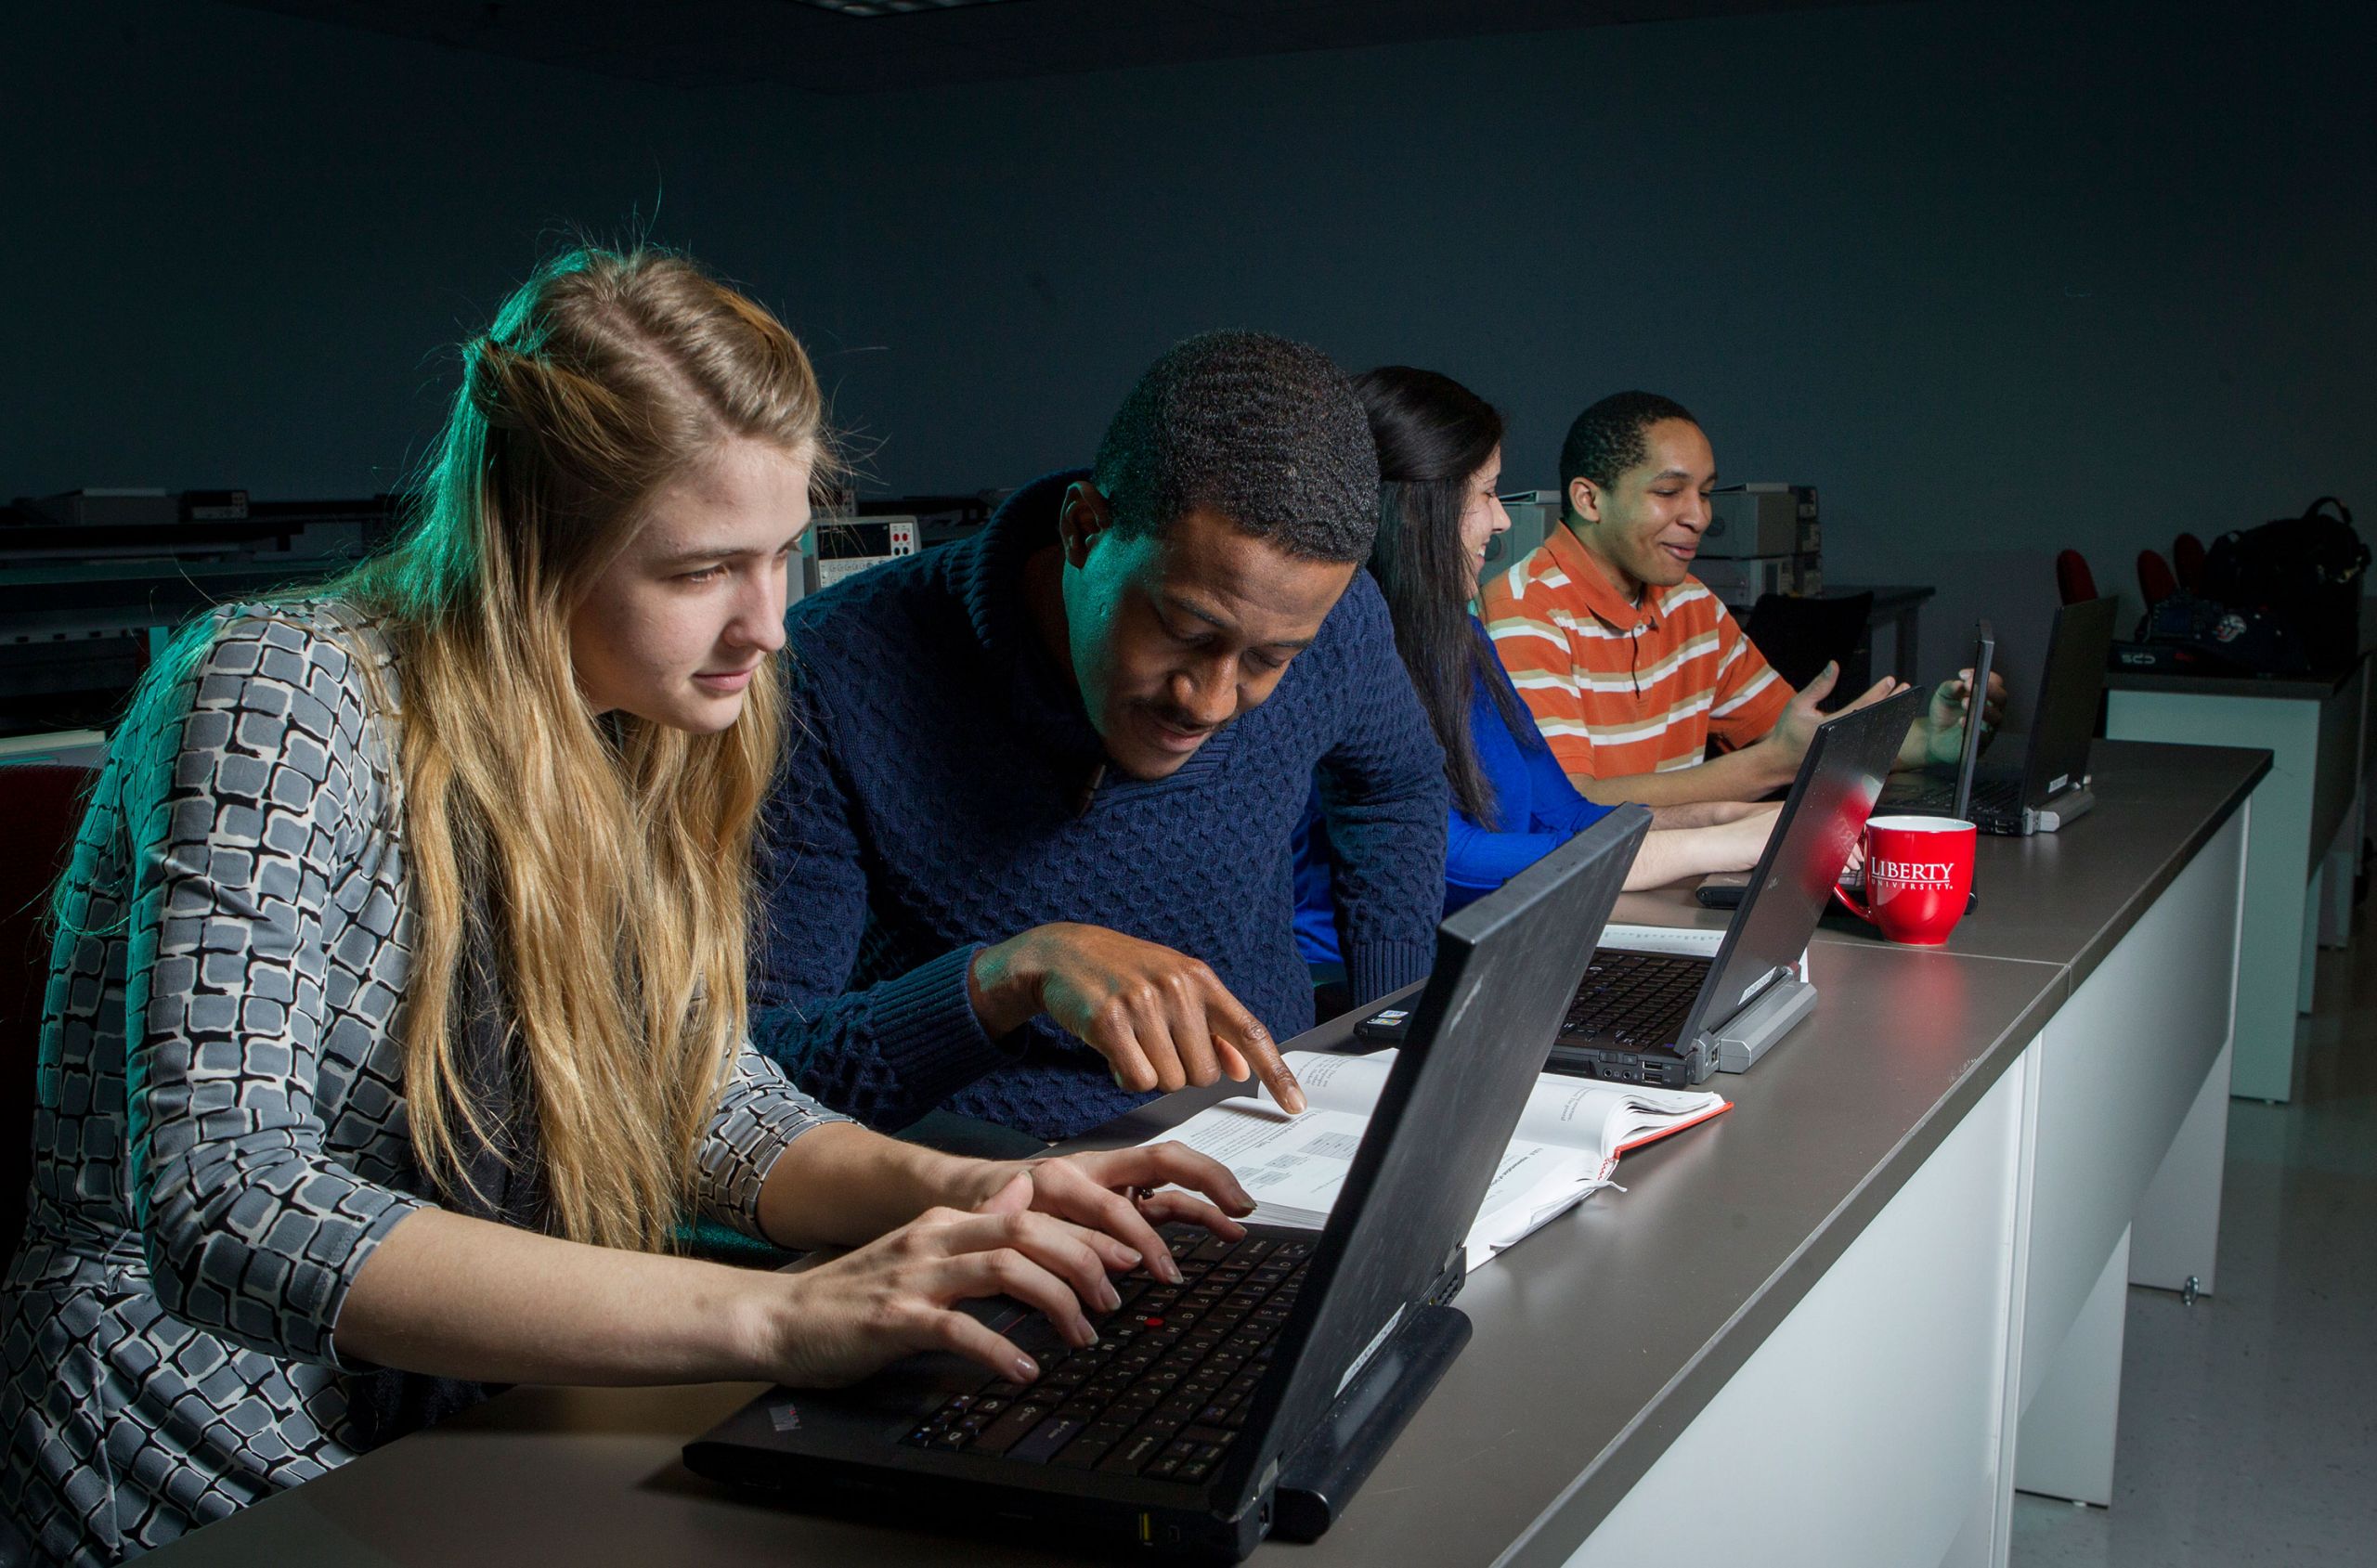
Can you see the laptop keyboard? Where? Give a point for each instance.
(1635, 998)
(2000, 796)
(1165, 1391)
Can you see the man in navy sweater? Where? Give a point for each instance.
(1030, 861)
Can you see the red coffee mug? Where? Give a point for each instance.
(1918, 878)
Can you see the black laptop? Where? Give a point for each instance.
(2047, 786)
(1985, 659)
(1674, 1019)
(1252, 1399)
(1923, 792)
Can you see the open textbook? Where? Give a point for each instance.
(1567, 1143)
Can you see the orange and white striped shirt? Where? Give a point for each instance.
(1617, 688)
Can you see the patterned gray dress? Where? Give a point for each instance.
(220, 1136)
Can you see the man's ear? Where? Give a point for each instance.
(1081, 518)
(1584, 499)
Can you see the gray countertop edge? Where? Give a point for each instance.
(2093, 951)
(1563, 1527)
(2270, 688)
(2117, 923)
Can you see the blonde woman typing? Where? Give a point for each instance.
(396, 1018)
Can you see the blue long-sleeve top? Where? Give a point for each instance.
(1536, 810)
(946, 791)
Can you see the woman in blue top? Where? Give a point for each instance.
(1440, 460)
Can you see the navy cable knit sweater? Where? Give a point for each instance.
(938, 800)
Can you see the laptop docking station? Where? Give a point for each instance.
(1757, 1026)
(1322, 1475)
(2064, 809)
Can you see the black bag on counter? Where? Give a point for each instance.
(2186, 634)
(2303, 573)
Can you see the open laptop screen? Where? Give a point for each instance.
(1838, 782)
(2069, 685)
(1506, 966)
(1984, 655)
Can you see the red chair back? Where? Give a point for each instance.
(2187, 559)
(2073, 582)
(42, 803)
(2155, 581)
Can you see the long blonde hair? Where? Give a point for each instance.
(613, 855)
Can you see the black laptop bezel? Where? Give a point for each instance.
(1837, 733)
(1572, 888)
(1917, 789)
(1591, 868)
(1694, 1047)
(1984, 655)
(2065, 718)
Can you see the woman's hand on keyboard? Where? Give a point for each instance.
(1127, 1192)
(841, 1320)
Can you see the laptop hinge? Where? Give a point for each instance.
(1451, 1277)
(1758, 988)
(1322, 1476)
(1748, 1033)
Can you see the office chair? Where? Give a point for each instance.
(43, 805)
(2187, 559)
(2155, 581)
(2074, 584)
(1799, 636)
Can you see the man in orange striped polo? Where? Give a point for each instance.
(1631, 667)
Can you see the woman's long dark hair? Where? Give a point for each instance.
(1433, 434)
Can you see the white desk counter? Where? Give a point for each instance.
(2307, 826)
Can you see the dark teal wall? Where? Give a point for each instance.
(1997, 276)
(237, 245)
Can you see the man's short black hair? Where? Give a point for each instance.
(1607, 440)
(1266, 432)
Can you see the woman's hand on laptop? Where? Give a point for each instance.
(1160, 1018)
(1738, 843)
(1707, 813)
(1126, 1193)
(837, 1322)
(1733, 842)
(1047, 1232)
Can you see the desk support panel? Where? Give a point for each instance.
(2068, 1432)
(2278, 868)
(2122, 1066)
(2174, 1240)
(1865, 1430)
